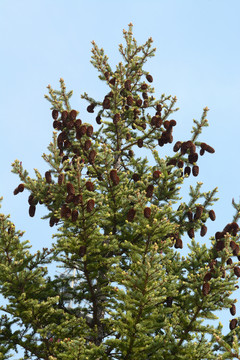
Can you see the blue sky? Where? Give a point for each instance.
(197, 59)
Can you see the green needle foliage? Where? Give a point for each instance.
(125, 291)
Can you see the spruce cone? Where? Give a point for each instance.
(203, 230)
(220, 245)
(106, 103)
(149, 78)
(233, 310)
(229, 261)
(147, 212)
(116, 118)
(112, 81)
(195, 170)
(172, 123)
(32, 209)
(48, 177)
(169, 301)
(127, 85)
(90, 205)
(70, 188)
(77, 199)
(60, 179)
(236, 271)
(140, 143)
(74, 215)
(156, 174)
(236, 250)
(199, 212)
(65, 211)
(82, 251)
(144, 86)
(135, 177)
(64, 115)
(207, 148)
(191, 233)
(192, 158)
(139, 102)
(89, 186)
(178, 244)
(87, 145)
(57, 125)
(177, 146)
(82, 130)
(129, 100)
(78, 124)
(73, 115)
(20, 187)
(114, 177)
(55, 114)
(207, 277)
(131, 214)
(190, 215)
(98, 119)
(92, 156)
(90, 108)
(212, 215)
(206, 288)
(31, 200)
(52, 221)
(187, 170)
(233, 324)
(16, 191)
(180, 164)
(89, 131)
(149, 191)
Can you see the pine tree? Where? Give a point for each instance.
(125, 292)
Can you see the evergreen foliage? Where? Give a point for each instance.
(125, 292)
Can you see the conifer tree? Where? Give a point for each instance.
(125, 292)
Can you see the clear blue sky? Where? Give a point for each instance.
(197, 59)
